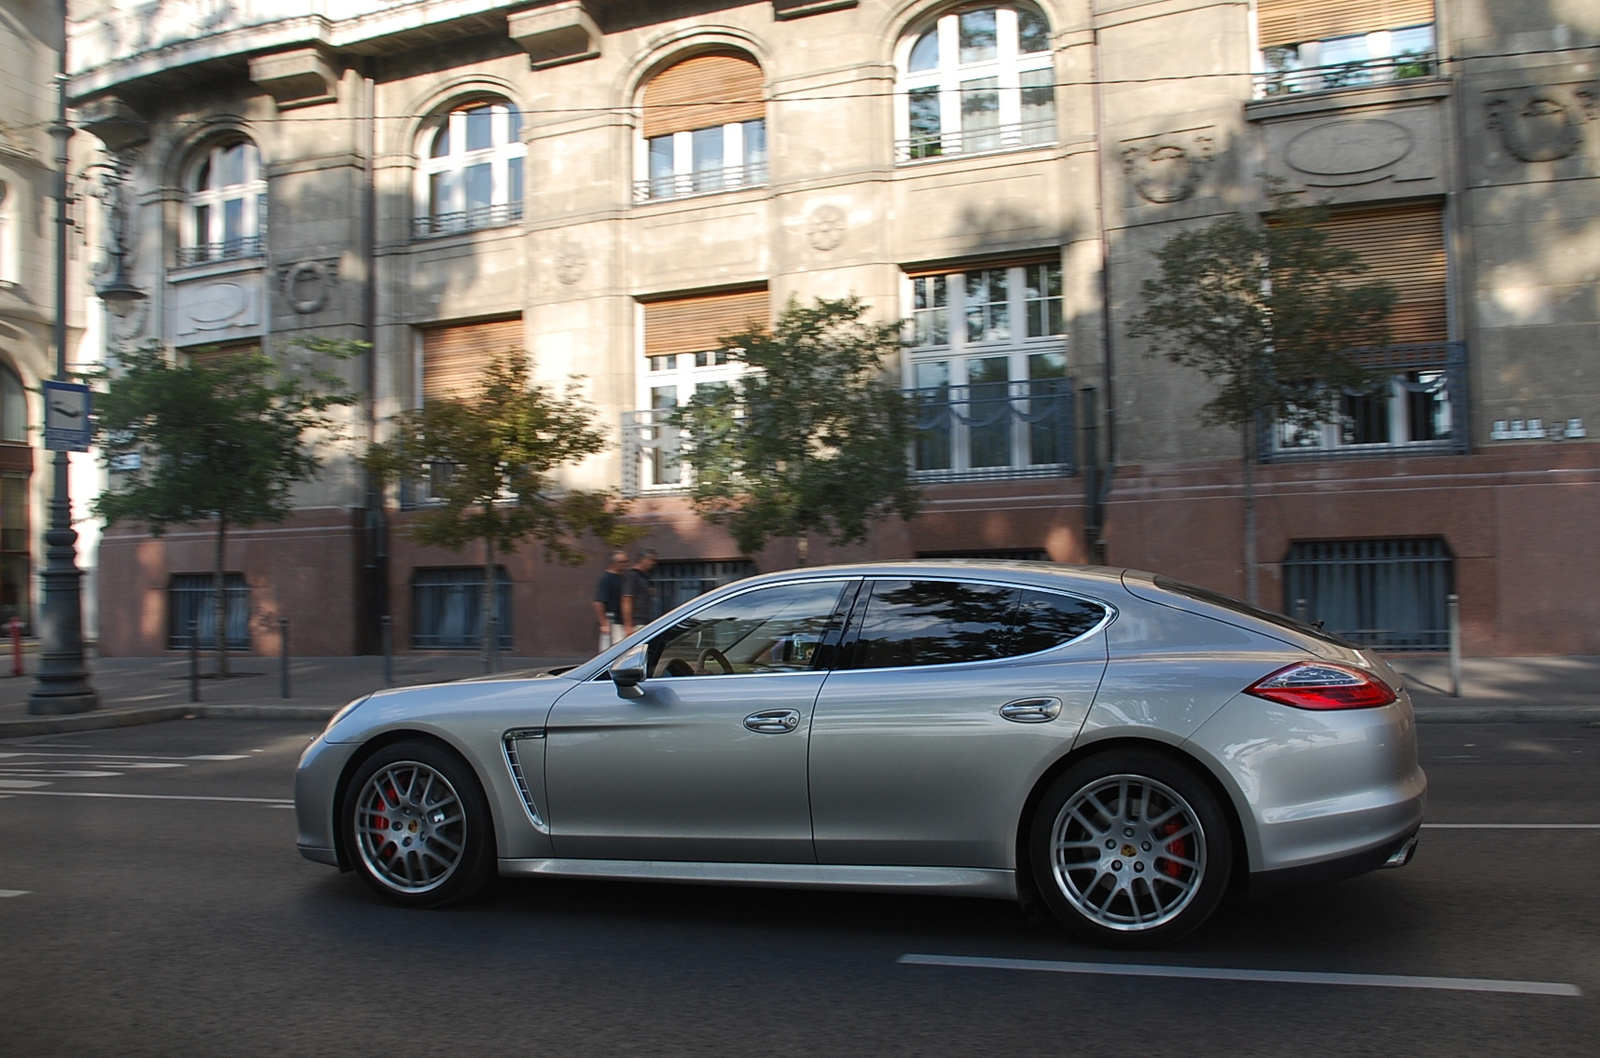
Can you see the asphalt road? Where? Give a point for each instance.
(179, 922)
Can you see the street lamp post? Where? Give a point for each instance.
(62, 681)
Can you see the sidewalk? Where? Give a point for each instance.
(150, 690)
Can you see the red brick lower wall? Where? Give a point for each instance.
(1520, 522)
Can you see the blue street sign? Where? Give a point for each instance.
(66, 417)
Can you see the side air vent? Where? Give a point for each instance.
(513, 761)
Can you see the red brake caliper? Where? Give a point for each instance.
(1176, 847)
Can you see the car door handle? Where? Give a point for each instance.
(773, 721)
(1032, 710)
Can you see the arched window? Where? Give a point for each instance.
(979, 79)
(225, 212)
(704, 129)
(470, 175)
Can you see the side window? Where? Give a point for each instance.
(1044, 619)
(933, 622)
(777, 629)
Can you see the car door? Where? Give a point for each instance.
(949, 699)
(709, 763)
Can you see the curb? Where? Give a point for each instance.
(101, 719)
(1506, 714)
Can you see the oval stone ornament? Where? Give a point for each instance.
(1342, 148)
(215, 303)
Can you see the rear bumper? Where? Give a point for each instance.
(1270, 883)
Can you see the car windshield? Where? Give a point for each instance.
(775, 629)
(1228, 602)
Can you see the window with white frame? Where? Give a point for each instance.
(977, 80)
(471, 170)
(987, 366)
(703, 128)
(1321, 45)
(225, 214)
(683, 355)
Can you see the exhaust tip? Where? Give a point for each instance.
(1403, 854)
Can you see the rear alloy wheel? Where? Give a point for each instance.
(417, 826)
(1130, 849)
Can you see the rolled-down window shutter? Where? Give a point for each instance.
(702, 92)
(453, 357)
(1405, 245)
(1280, 22)
(698, 324)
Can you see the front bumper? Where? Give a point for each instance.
(316, 784)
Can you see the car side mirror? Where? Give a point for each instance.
(628, 671)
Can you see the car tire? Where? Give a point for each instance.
(1130, 849)
(416, 825)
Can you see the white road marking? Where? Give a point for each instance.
(218, 756)
(275, 802)
(12, 892)
(1511, 826)
(36, 773)
(1218, 973)
(20, 784)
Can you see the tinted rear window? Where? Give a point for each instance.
(1044, 619)
(930, 622)
(1228, 602)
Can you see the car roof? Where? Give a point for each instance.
(1019, 570)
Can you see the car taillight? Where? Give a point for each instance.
(1322, 685)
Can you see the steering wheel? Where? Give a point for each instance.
(674, 667)
(713, 654)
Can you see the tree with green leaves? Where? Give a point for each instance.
(1274, 316)
(222, 437)
(489, 458)
(810, 438)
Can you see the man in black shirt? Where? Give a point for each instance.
(608, 600)
(638, 594)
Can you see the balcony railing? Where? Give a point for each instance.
(476, 219)
(926, 146)
(231, 250)
(1274, 84)
(963, 433)
(700, 182)
(1000, 429)
(1418, 407)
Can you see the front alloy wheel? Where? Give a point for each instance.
(416, 825)
(1130, 849)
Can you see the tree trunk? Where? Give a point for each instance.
(219, 597)
(802, 549)
(1252, 589)
(491, 634)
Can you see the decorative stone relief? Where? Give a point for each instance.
(1168, 167)
(217, 310)
(1347, 151)
(1542, 123)
(826, 228)
(570, 262)
(306, 285)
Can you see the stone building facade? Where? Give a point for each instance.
(31, 36)
(611, 186)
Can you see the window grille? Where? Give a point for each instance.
(677, 582)
(190, 598)
(1385, 594)
(447, 608)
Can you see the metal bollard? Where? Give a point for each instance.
(388, 652)
(194, 659)
(283, 657)
(1452, 605)
(1300, 610)
(494, 643)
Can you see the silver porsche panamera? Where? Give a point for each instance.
(1116, 746)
